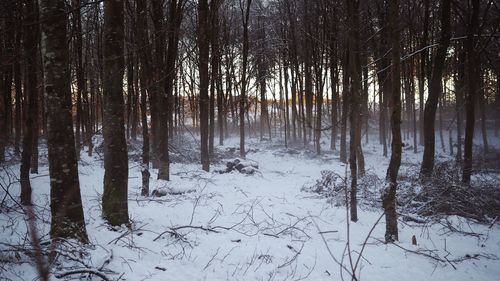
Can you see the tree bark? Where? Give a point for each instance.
(245, 14)
(345, 92)
(435, 91)
(68, 220)
(142, 46)
(19, 90)
(214, 41)
(354, 68)
(389, 195)
(115, 194)
(78, 49)
(30, 92)
(204, 49)
(473, 75)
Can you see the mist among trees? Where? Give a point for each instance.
(249, 139)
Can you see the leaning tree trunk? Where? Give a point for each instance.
(68, 220)
(114, 198)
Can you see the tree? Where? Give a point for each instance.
(245, 16)
(68, 220)
(215, 76)
(204, 51)
(389, 195)
(473, 76)
(354, 68)
(115, 194)
(166, 68)
(143, 49)
(78, 49)
(31, 96)
(435, 91)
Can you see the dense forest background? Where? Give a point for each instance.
(148, 84)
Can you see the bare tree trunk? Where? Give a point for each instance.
(389, 195)
(497, 103)
(334, 74)
(204, 49)
(262, 73)
(78, 50)
(30, 99)
(17, 81)
(354, 68)
(441, 137)
(287, 102)
(459, 97)
(221, 107)
(214, 41)
(482, 108)
(142, 46)
(3, 125)
(245, 14)
(115, 194)
(294, 104)
(435, 91)
(473, 76)
(135, 89)
(68, 220)
(130, 89)
(7, 55)
(423, 68)
(345, 92)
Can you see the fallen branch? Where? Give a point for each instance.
(82, 271)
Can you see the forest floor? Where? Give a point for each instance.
(282, 220)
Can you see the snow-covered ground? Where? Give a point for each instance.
(264, 226)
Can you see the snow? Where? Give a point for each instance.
(264, 226)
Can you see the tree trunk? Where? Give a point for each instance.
(435, 91)
(354, 68)
(78, 49)
(345, 92)
(68, 220)
(423, 68)
(389, 195)
(459, 97)
(214, 41)
(30, 98)
(115, 194)
(472, 60)
(482, 108)
(204, 49)
(335, 96)
(143, 49)
(18, 86)
(245, 14)
(262, 73)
